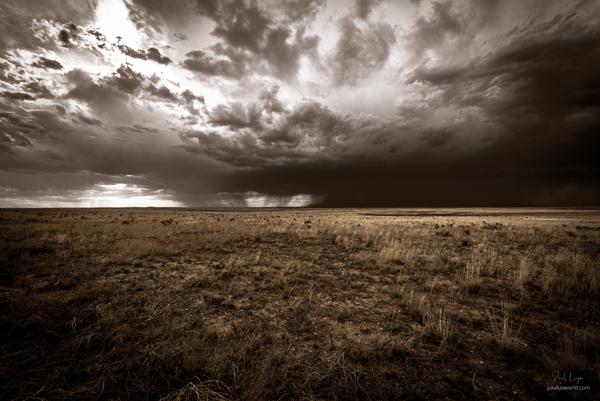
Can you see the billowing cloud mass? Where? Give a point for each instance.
(205, 103)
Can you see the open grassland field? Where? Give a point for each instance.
(299, 304)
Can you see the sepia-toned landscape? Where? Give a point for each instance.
(311, 304)
(299, 200)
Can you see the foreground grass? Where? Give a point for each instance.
(308, 305)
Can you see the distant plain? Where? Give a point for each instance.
(299, 304)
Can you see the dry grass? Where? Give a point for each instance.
(198, 391)
(297, 304)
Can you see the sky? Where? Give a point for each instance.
(374, 103)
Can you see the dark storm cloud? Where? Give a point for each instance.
(547, 71)
(360, 52)
(265, 135)
(376, 184)
(246, 149)
(537, 94)
(256, 115)
(484, 103)
(154, 54)
(151, 54)
(47, 63)
(436, 138)
(132, 52)
(262, 140)
(65, 37)
(49, 152)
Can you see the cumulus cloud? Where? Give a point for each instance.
(255, 41)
